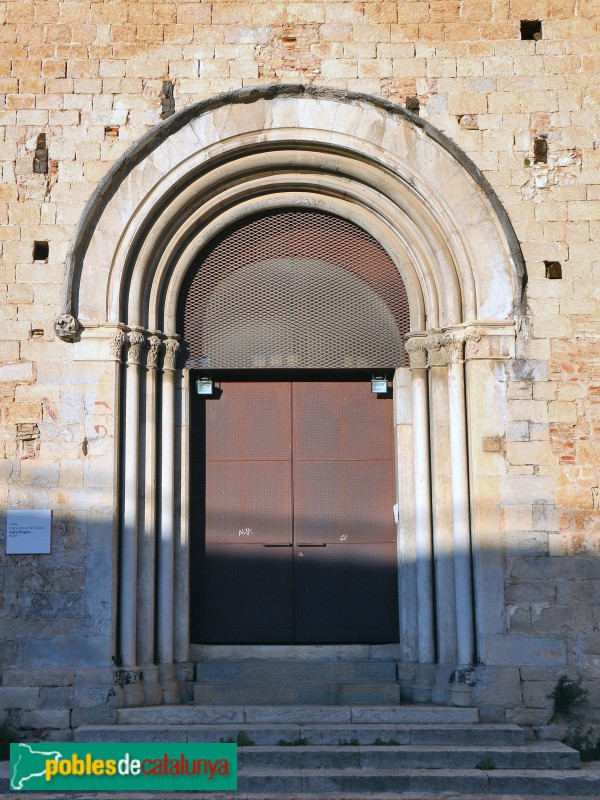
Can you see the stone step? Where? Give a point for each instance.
(368, 782)
(282, 671)
(545, 755)
(298, 715)
(367, 734)
(294, 693)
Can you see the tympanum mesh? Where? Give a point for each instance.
(293, 288)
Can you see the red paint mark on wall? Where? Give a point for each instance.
(48, 410)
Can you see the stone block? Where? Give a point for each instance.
(525, 543)
(22, 372)
(562, 411)
(499, 686)
(46, 718)
(521, 649)
(95, 696)
(55, 697)
(93, 716)
(528, 716)
(24, 676)
(525, 490)
(25, 698)
(533, 452)
(535, 694)
(517, 518)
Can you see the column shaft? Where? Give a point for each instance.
(129, 528)
(167, 519)
(460, 512)
(424, 543)
(181, 566)
(166, 540)
(147, 538)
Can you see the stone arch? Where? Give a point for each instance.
(438, 218)
(384, 162)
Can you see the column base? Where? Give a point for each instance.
(171, 693)
(153, 693)
(130, 679)
(423, 683)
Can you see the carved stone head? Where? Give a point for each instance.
(66, 327)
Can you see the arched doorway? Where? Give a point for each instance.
(291, 313)
(395, 177)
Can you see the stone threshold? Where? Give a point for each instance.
(301, 652)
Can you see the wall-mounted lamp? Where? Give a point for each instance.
(379, 385)
(205, 387)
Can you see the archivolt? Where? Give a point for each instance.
(357, 157)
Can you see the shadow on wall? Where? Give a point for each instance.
(59, 610)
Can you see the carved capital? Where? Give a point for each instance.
(473, 339)
(136, 345)
(66, 327)
(417, 352)
(171, 348)
(117, 341)
(454, 344)
(153, 352)
(436, 352)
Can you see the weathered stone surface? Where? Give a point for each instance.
(46, 718)
(82, 75)
(19, 697)
(538, 650)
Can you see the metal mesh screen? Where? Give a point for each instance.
(293, 288)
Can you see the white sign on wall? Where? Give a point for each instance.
(28, 531)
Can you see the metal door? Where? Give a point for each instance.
(344, 531)
(242, 543)
(297, 543)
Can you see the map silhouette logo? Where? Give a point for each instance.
(28, 762)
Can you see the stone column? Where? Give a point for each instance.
(443, 539)
(415, 347)
(454, 344)
(129, 527)
(166, 540)
(182, 567)
(488, 348)
(147, 539)
(405, 494)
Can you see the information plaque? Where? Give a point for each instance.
(28, 531)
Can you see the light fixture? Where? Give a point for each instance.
(205, 387)
(379, 385)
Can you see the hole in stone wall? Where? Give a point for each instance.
(167, 100)
(111, 131)
(28, 440)
(41, 251)
(468, 122)
(553, 270)
(540, 149)
(412, 104)
(531, 29)
(36, 333)
(40, 159)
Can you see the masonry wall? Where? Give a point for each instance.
(89, 75)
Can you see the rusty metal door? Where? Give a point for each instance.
(344, 532)
(242, 518)
(297, 541)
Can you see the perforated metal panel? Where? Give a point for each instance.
(294, 288)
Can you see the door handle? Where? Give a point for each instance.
(277, 545)
(312, 545)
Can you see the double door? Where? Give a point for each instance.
(293, 535)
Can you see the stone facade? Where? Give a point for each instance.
(90, 77)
